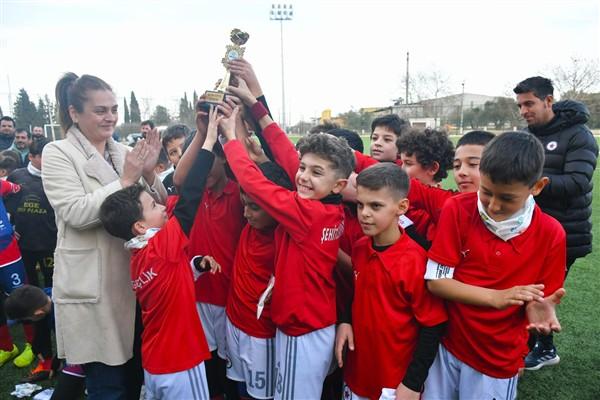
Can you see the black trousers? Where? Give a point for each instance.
(45, 259)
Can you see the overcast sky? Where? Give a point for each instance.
(338, 54)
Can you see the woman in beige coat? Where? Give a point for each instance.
(94, 302)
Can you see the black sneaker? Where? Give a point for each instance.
(540, 357)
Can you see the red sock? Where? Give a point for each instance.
(6, 342)
(28, 329)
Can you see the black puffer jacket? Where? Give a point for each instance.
(571, 153)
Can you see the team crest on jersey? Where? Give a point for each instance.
(552, 145)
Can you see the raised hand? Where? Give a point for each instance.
(153, 147)
(242, 69)
(243, 93)
(517, 296)
(214, 118)
(134, 164)
(542, 314)
(344, 335)
(228, 124)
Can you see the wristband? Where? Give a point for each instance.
(258, 110)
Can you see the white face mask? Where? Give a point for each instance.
(139, 242)
(511, 227)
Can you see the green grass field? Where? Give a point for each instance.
(577, 377)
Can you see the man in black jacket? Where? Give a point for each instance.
(571, 153)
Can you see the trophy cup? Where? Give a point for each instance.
(233, 52)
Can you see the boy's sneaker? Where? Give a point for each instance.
(540, 357)
(6, 356)
(40, 373)
(25, 358)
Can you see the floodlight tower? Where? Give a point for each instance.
(282, 12)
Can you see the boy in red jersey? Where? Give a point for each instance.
(216, 230)
(311, 221)
(385, 130)
(495, 256)
(396, 323)
(466, 175)
(250, 330)
(162, 279)
(426, 155)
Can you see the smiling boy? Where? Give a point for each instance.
(163, 281)
(311, 221)
(496, 255)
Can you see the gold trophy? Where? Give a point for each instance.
(233, 52)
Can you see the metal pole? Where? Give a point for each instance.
(406, 98)
(282, 123)
(462, 103)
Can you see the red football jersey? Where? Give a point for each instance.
(344, 285)
(306, 243)
(253, 267)
(493, 341)
(430, 199)
(364, 161)
(391, 304)
(284, 152)
(162, 280)
(216, 230)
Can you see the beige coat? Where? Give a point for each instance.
(94, 303)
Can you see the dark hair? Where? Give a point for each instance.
(9, 160)
(7, 118)
(24, 301)
(480, 138)
(20, 130)
(351, 137)
(540, 87)
(392, 122)
(513, 157)
(428, 146)
(72, 91)
(330, 148)
(175, 132)
(326, 126)
(148, 122)
(385, 175)
(36, 147)
(121, 210)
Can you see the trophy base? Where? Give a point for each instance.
(211, 98)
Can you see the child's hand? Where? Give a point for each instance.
(517, 296)
(243, 70)
(343, 335)
(243, 93)
(209, 262)
(228, 124)
(214, 118)
(542, 314)
(404, 393)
